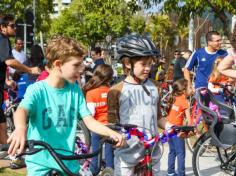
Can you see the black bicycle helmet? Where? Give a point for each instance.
(135, 46)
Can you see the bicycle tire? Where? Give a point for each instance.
(206, 160)
(83, 133)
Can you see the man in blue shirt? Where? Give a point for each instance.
(203, 60)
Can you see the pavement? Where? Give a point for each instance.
(188, 162)
(4, 163)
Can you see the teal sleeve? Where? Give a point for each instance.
(83, 109)
(29, 100)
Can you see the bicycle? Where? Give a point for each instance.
(33, 147)
(150, 142)
(10, 106)
(230, 99)
(215, 150)
(166, 92)
(195, 113)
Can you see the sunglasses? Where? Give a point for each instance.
(12, 25)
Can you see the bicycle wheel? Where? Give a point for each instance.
(207, 161)
(83, 133)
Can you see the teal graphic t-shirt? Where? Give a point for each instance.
(52, 117)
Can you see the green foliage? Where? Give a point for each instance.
(90, 21)
(219, 8)
(138, 23)
(163, 32)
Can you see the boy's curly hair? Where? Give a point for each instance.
(61, 47)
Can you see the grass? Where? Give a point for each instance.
(9, 172)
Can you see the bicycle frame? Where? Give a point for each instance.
(224, 164)
(148, 142)
(31, 146)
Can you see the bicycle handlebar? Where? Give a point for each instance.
(30, 146)
(149, 140)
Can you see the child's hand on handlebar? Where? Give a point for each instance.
(17, 141)
(183, 134)
(118, 138)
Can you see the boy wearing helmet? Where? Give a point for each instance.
(135, 100)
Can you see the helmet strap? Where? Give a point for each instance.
(141, 82)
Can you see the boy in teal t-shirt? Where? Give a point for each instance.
(52, 107)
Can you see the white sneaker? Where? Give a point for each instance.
(3, 154)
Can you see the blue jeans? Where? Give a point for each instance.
(176, 149)
(109, 156)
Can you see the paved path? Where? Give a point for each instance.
(188, 162)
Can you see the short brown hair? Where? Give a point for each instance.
(60, 47)
(210, 34)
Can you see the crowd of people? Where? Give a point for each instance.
(68, 84)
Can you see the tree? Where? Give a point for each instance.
(138, 23)
(43, 9)
(220, 8)
(90, 21)
(162, 31)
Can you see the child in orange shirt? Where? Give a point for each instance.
(179, 109)
(217, 77)
(96, 90)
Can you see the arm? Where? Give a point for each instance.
(188, 116)
(225, 67)
(91, 104)
(187, 77)
(18, 137)
(18, 66)
(213, 89)
(101, 129)
(8, 82)
(113, 103)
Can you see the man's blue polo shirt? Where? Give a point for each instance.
(203, 61)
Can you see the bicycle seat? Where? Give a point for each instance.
(220, 128)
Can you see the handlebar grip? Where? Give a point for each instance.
(127, 125)
(184, 128)
(4, 147)
(119, 126)
(111, 141)
(114, 127)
